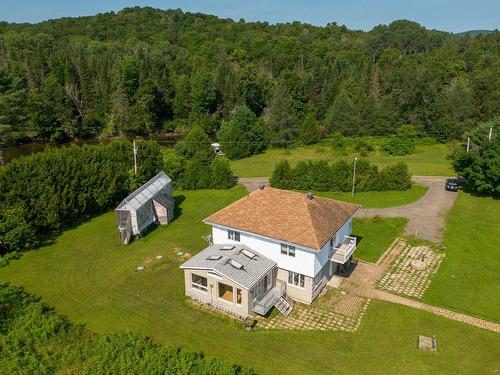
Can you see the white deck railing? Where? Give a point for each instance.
(263, 304)
(343, 252)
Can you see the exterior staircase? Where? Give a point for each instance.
(284, 304)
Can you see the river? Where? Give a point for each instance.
(11, 152)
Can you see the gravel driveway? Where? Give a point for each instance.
(426, 216)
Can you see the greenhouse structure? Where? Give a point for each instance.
(151, 203)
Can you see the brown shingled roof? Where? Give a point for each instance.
(286, 215)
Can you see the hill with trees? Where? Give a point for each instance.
(141, 71)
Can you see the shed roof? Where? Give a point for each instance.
(145, 193)
(286, 215)
(226, 263)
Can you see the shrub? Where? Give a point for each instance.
(221, 175)
(363, 147)
(282, 176)
(394, 177)
(403, 142)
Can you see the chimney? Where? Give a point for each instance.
(310, 196)
(261, 187)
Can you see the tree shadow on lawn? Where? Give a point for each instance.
(51, 238)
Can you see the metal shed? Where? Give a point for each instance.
(151, 203)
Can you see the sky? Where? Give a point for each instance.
(449, 15)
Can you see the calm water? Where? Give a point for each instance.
(11, 152)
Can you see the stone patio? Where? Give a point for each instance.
(412, 271)
(333, 311)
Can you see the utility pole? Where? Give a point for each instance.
(491, 133)
(354, 176)
(468, 144)
(135, 158)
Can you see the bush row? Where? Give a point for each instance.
(322, 176)
(36, 340)
(45, 192)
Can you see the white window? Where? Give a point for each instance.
(288, 250)
(233, 235)
(199, 282)
(296, 279)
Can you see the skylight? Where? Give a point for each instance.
(227, 247)
(248, 253)
(235, 264)
(214, 257)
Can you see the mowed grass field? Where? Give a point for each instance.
(428, 160)
(379, 199)
(469, 278)
(88, 276)
(375, 235)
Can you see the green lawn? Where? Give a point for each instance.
(375, 235)
(468, 279)
(88, 276)
(378, 199)
(429, 160)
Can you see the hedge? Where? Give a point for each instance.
(322, 176)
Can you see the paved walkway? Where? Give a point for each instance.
(425, 216)
(363, 280)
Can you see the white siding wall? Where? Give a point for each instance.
(303, 262)
(306, 262)
(322, 256)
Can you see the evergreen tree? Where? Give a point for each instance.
(242, 135)
(280, 118)
(310, 131)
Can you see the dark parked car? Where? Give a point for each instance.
(451, 184)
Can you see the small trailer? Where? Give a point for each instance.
(217, 150)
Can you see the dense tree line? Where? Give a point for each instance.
(36, 340)
(480, 166)
(143, 70)
(192, 164)
(45, 192)
(338, 176)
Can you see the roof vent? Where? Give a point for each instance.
(310, 196)
(262, 186)
(227, 247)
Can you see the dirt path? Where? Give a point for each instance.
(426, 216)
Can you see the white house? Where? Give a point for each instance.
(306, 237)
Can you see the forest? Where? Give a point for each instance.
(143, 71)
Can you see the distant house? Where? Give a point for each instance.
(151, 203)
(270, 247)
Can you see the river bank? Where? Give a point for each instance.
(10, 152)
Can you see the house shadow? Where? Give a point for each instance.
(178, 203)
(347, 272)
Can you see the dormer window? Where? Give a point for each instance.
(233, 235)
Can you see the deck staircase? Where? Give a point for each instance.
(284, 304)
